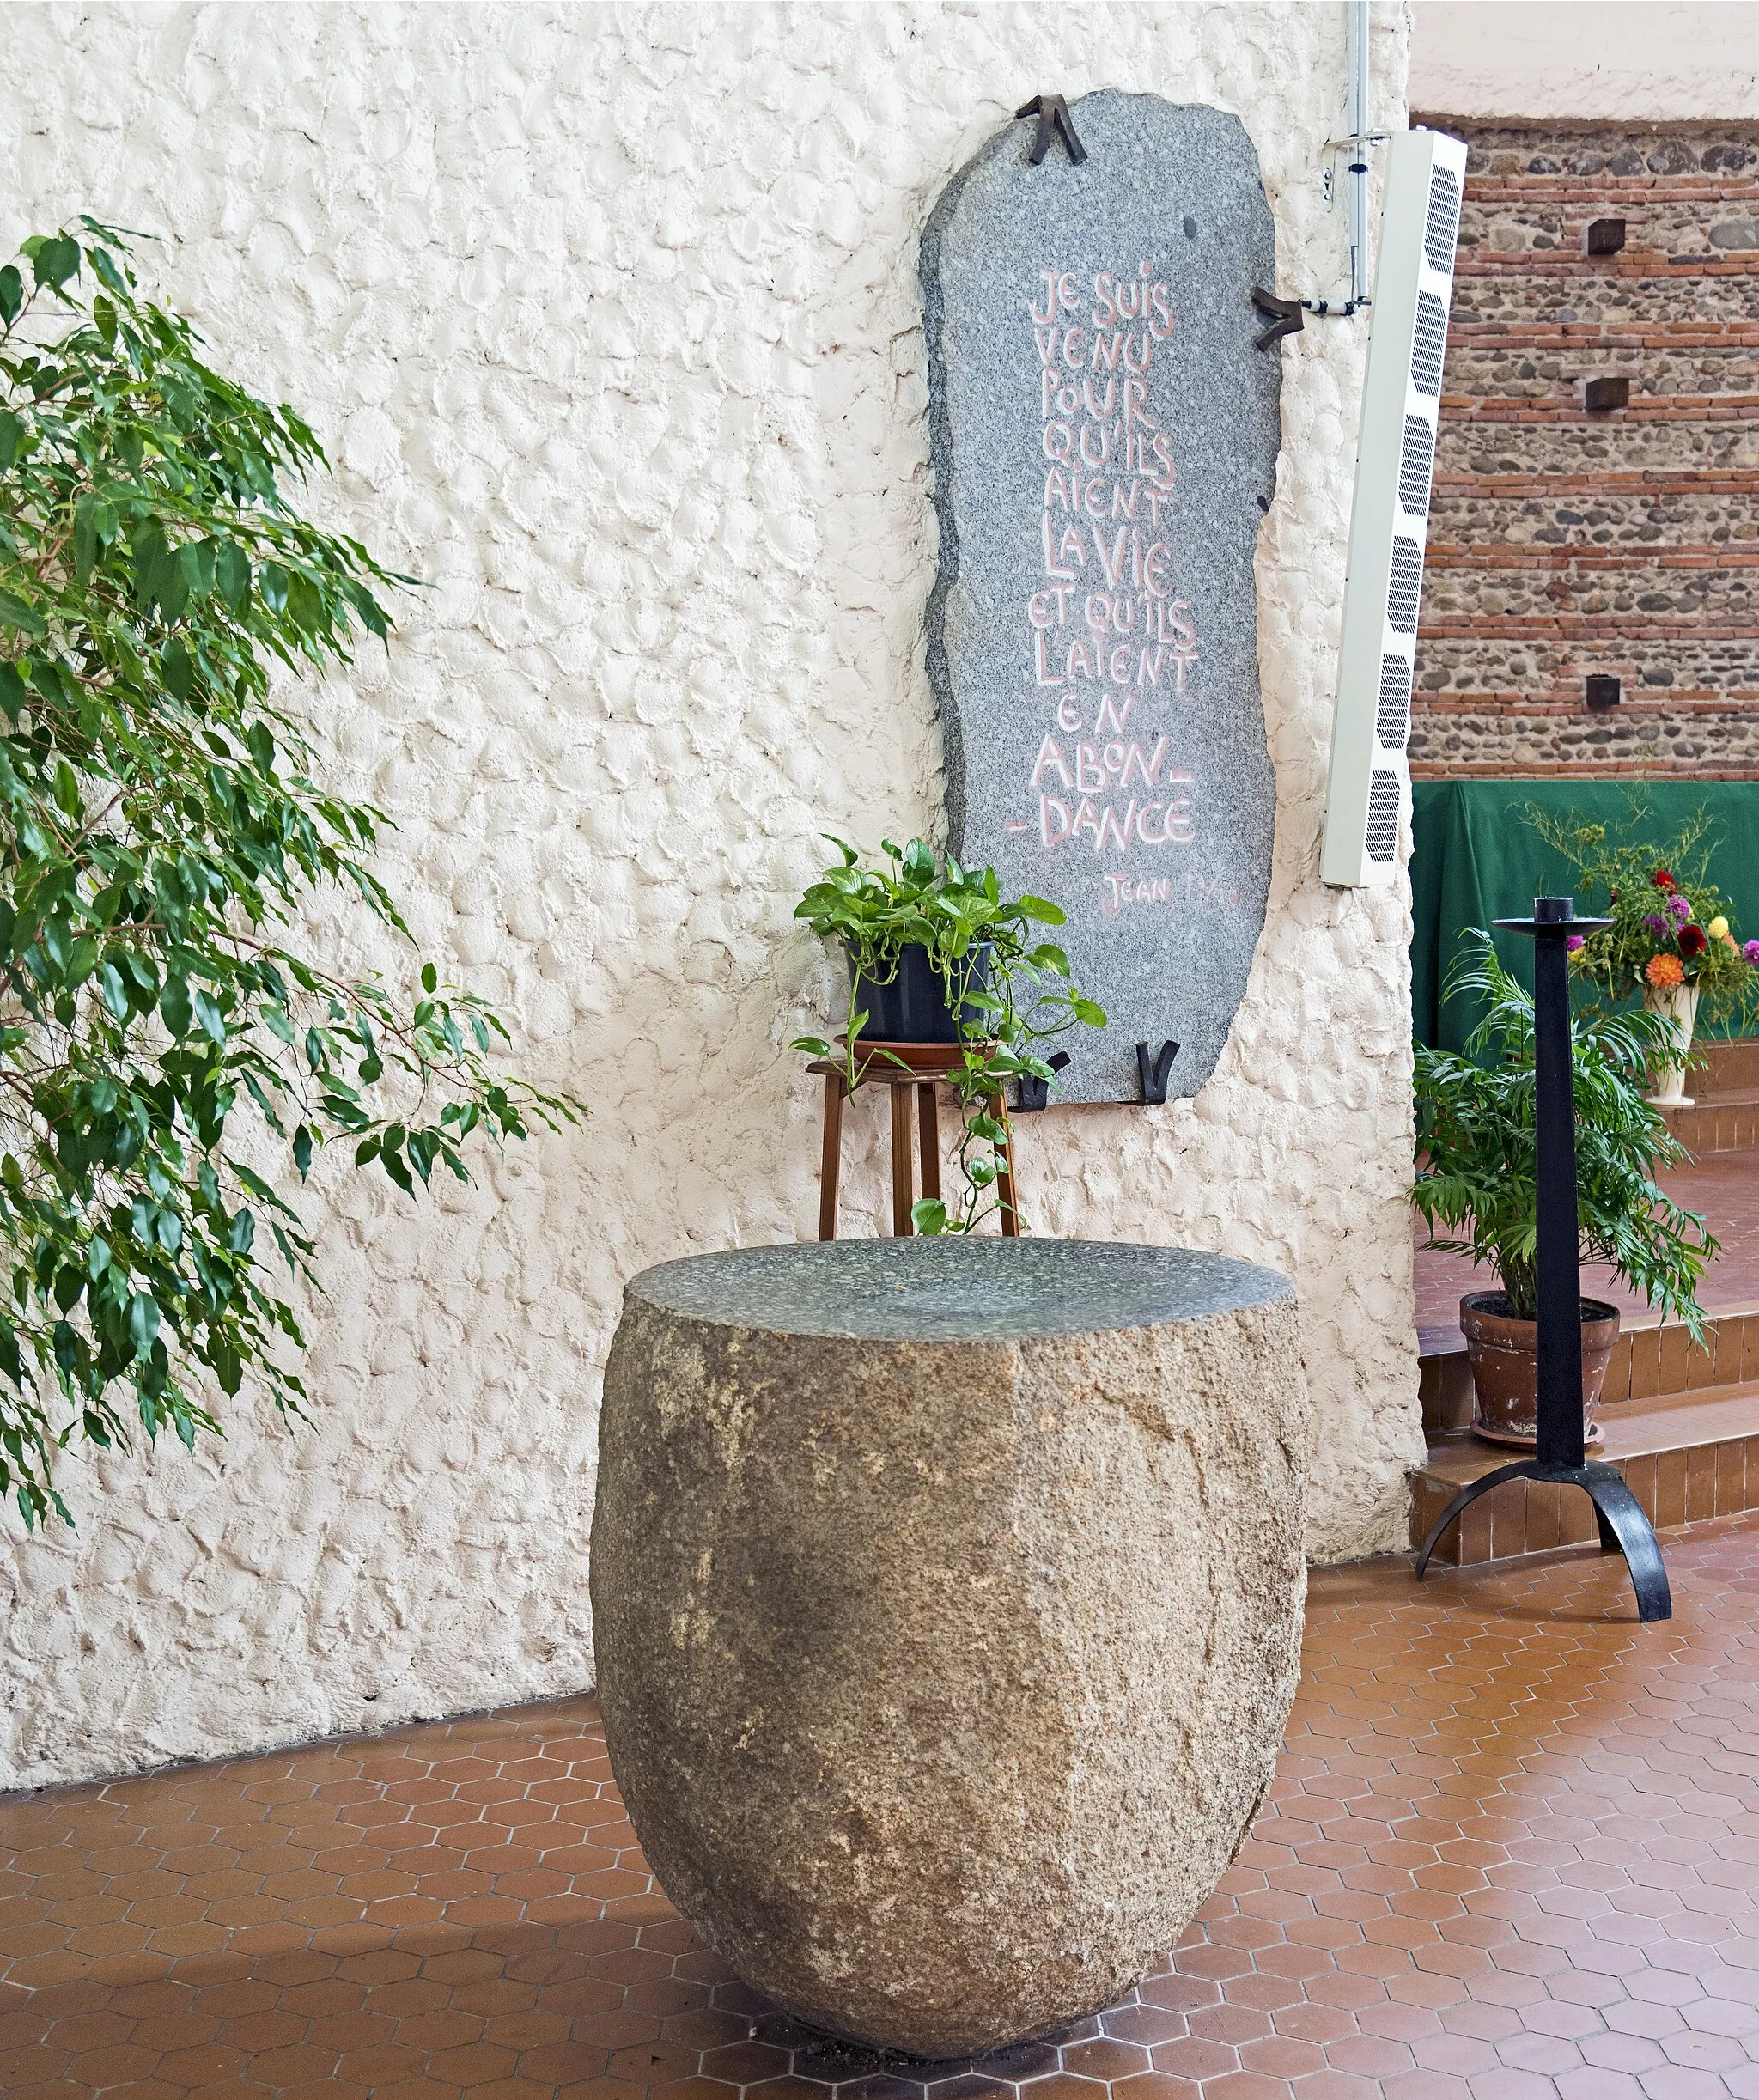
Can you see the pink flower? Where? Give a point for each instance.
(1680, 908)
(1575, 941)
(1657, 926)
(1751, 952)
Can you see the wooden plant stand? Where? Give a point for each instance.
(905, 1068)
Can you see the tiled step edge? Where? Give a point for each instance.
(1713, 1471)
(1727, 1064)
(1716, 1123)
(1652, 1360)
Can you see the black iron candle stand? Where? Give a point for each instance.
(1561, 1457)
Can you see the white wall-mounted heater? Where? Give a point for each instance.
(1419, 221)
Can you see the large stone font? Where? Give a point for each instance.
(946, 1600)
(1103, 436)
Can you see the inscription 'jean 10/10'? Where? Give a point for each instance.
(1105, 624)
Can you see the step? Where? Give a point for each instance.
(1686, 1456)
(1725, 1113)
(1721, 1122)
(1726, 1064)
(1651, 1359)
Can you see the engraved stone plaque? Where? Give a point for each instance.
(1103, 437)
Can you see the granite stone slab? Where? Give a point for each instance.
(1104, 438)
(955, 1290)
(946, 1614)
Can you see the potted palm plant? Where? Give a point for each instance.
(1476, 1184)
(937, 954)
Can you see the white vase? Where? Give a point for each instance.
(1680, 1005)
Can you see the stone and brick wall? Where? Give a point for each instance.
(1565, 542)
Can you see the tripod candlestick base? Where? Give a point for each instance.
(1624, 1528)
(1562, 1458)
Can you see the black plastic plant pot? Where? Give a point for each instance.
(913, 1007)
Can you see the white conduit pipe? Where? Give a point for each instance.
(1356, 67)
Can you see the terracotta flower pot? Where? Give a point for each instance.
(1504, 1355)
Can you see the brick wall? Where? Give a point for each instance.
(1564, 542)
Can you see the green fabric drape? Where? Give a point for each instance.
(1476, 858)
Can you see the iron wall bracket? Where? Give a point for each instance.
(1035, 1092)
(1052, 113)
(1286, 318)
(1152, 1072)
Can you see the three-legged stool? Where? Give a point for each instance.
(905, 1068)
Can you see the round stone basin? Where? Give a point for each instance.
(947, 1597)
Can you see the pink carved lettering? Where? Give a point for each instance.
(1051, 759)
(1050, 560)
(1106, 454)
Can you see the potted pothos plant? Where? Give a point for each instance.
(1475, 1187)
(1669, 943)
(937, 954)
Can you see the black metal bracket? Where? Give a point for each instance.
(1052, 113)
(1286, 318)
(1623, 1526)
(1152, 1074)
(1035, 1092)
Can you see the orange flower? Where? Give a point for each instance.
(1664, 972)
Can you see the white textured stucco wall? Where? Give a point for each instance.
(1635, 61)
(610, 318)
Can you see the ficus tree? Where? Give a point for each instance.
(162, 1025)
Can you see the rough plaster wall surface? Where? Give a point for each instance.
(1647, 61)
(609, 318)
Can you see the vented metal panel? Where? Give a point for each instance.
(1401, 591)
(1392, 720)
(1428, 343)
(1383, 817)
(1394, 492)
(1416, 464)
(1443, 227)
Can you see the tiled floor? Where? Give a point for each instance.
(1723, 1185)
(1513, 1853)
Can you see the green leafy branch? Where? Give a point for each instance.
(160, 827)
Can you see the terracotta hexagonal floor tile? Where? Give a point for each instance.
(1509, 1852)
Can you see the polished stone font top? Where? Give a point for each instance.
(955, 1290)
(1104, 435)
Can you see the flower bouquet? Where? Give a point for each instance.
(1669, 941)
